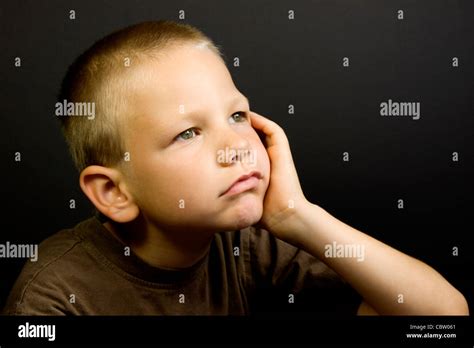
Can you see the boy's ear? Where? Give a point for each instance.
(107, 191)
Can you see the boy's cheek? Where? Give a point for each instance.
(264, 166)
(266, 188)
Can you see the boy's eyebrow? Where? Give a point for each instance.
(232, 101)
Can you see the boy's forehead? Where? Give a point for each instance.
(189, 72)
(186, 80)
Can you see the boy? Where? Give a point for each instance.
(199, 216)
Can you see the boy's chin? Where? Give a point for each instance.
(245, 215)
(241, 224)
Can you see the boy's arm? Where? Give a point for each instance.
(390, 282)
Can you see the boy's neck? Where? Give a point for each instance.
(160, 249)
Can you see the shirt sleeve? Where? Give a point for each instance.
(287, 279)
(36, 298)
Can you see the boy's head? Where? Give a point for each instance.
(170, 133)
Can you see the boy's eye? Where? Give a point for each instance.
(241, 117)
(190, 133)
(187, 134)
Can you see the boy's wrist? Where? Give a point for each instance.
(302, 224)
(294, 223)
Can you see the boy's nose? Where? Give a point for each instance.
(234, 148)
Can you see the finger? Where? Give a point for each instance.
(262, 123)
(273, 132)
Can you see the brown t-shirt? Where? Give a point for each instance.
(86, 271)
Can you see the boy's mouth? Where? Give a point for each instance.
(243, 183)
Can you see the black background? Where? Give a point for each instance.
(282, 62)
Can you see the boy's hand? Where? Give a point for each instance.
(384, 275)
(284, 195)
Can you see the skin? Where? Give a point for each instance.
(143, 195)
(146, 193)
(381, 277)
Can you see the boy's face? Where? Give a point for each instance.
(182, 141)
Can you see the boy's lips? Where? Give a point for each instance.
(243, 183)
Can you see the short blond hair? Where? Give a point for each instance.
(100, 74)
